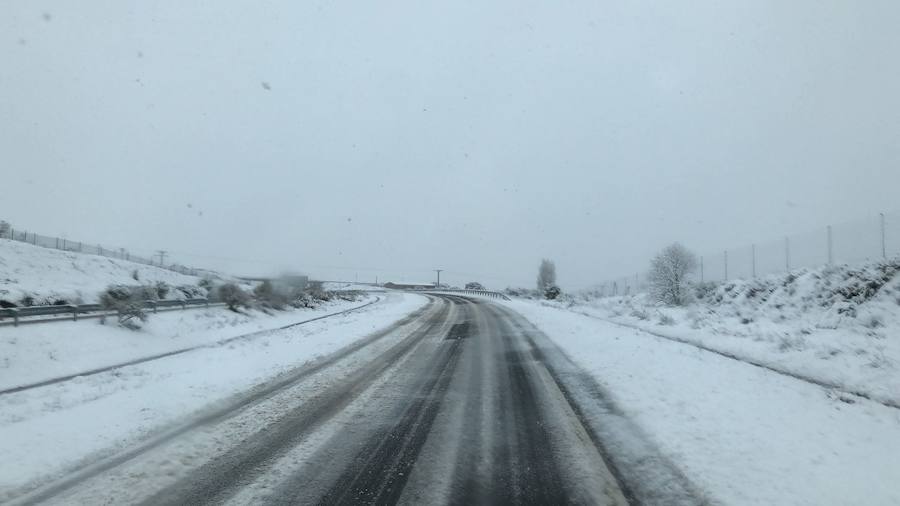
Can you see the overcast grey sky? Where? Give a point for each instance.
(390, 138)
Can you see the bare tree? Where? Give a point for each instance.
(546, 275)
(669, 272)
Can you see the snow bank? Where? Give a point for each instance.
(34, 353)
(836, 324)
(48, 275)
(743, 434)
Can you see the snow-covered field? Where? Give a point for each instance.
(48, 275)
(47, 430)
(743, 434)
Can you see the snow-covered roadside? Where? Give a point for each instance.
(854, 362)
(838, 325)
(742, 434)
(33, 353)
(48, 429)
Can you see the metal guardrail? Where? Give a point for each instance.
(485, 293)
(90, 309)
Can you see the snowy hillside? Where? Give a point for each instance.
(835, 324)
(48, 275)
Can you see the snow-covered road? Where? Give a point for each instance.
(454, 404)
(51, 430)
(454, 400)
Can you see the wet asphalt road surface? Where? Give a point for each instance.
(461, 410)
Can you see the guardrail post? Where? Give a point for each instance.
(74, 309)
(15, 313)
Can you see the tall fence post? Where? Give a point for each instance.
(883, 245)
(787, 254)
(726, 265)
(830, 247)
(753, 254)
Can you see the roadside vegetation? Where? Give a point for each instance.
(131, 302)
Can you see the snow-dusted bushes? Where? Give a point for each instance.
(268, 297)
(233, 296)
(128, 303)
(525, 293)
(552, 292)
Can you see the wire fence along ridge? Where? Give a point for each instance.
(852, 242)
(63, 244)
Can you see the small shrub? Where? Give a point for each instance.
(207, 284)
(192, 292)
(162, 289)
(317, 292)
(786, 343)
(640, 314)
(233, 296)
(135, 276)
(552, 292)
(268, 296)
(667, 320)
(127, 302)
(704, 291)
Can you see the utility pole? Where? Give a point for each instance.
(438, 271)
(753, 251)
(162, 257)
(787, 254)
(726, 265)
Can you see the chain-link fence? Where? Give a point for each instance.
(851, 242)
(7, 231)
